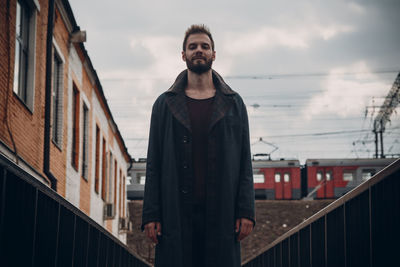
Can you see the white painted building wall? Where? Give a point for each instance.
(73, 177)
(72, 188)
(123, 166)
(96, 202)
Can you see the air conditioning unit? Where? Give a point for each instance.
(125, 225)
(109, 211)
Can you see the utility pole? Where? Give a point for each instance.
(386, 110)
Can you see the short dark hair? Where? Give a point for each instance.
(198, 28)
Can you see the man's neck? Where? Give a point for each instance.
(200, 86)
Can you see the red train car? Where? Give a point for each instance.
(332, 178)
(277, 179)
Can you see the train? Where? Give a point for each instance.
(316, 179)
(287, 179)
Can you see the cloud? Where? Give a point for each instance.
(356, 8)
(268, 37)
(347, 91)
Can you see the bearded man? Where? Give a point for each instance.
(199, 195)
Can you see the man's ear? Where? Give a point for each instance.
(214, 55)
(183, 56)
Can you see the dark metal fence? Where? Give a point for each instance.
(362, 228)
(40, 228)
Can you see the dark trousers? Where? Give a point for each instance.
(198, 236)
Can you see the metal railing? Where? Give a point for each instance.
(362, 228)
(40, 228)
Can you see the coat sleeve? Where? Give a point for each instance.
(152, 194)
(245, 199)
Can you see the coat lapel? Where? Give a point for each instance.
(221, 105)
(176, 100)
(177, 103)
(178, 107)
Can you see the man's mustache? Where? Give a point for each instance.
(198, 57)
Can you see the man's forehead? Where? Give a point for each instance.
(198, 38)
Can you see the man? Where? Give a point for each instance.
(199, 195)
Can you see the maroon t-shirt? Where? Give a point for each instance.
(200, 114)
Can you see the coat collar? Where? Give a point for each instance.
(177, 103)
(181, 81)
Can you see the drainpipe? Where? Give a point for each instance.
(47, 112)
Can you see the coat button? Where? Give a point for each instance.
(185, 166)
(184, 191)
(185, 139)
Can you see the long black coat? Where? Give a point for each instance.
(169, 176)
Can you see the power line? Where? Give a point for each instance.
(322, 134)
(262, 76)
(291, 135)
(295, 75)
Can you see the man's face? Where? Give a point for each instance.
(199, 55)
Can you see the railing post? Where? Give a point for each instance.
(309, 226)
(3, 200)
(344, 233)
(326, 239)
(98, 249)
(370, 226)
(289, 251)
(58, 234)
(34, 228)
(73, 241)
(87, 245)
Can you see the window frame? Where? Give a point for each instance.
(57, 96)
(348, 172)
(97, 161)
(280, 177)
(85, 142)
(104, 171)
(286, 174)
(321, 176)
(258, 178)
(25, 52)
(75, 127)
(330, 174)
(372, 172)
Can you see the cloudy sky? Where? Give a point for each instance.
(312, 73)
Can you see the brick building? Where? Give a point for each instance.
(55, 121)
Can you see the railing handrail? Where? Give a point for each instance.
(11, 166)
(388, 170)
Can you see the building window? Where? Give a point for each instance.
(24, 61)
(57, 93)
(115, 182)
(319, 176)
(348, 176)
(258, 178)
(120, 194)
(110, 187)
(123, 195)
(286, 177)
(75, 128)
(104, 171)
(85, 142)
(277, 177)
(97, 163)
(21, 50)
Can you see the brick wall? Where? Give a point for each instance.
(27, 124)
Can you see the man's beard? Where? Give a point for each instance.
(199, 68)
